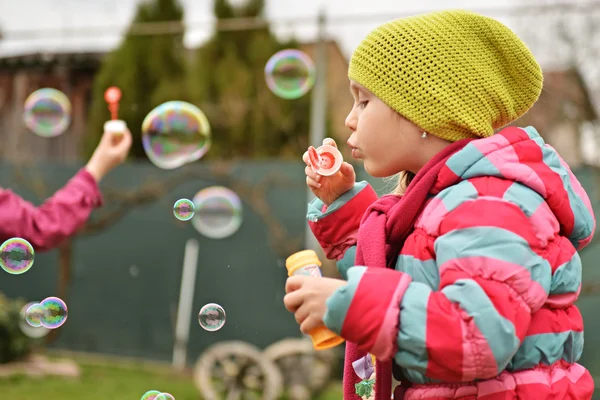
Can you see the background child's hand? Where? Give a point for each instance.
(306, 297)
(329, 188)
(110, 152)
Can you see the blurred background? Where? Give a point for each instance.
(135, 277)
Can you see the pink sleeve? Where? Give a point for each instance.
(336, 226)
(46, 226)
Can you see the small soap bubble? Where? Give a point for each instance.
(47, 112)
(55, 312)
(151, 395)
(175, 133)
(30, 323)
(211, 317)
(165, 396)
(326, 160)
(184, 209)
(16, 256)
(290, 74)
(218, 212)
(34, 315)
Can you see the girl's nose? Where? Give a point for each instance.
(351, 120)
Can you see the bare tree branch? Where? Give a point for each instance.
(255, 196)
(31, 181)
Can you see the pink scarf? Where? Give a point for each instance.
(384, 227)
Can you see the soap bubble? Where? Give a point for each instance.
(25, 322)
(47, 112)
(34, 315)
(211, 317)
(175, 133)
(16, 256)
(183, 209)
(290, 74)
(218, 212)
(165, 396)
(55, 312)
(150, 395)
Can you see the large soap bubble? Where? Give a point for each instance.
(218, 212)
(47, 112)
(16, 256)
(175, 133)
(30, 321)
(290, 74)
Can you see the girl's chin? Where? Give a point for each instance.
(372, 169)
(377, 171)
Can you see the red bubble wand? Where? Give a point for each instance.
(314, 157)
(112, 96)
(326, 160)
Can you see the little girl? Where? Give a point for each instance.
(463, 281)
(46, 226)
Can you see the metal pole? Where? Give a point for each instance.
(186, 302)
(318, 111)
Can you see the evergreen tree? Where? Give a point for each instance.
(228, 84)
(149, 70)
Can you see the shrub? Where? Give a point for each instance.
(14, 344)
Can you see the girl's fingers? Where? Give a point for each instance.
(346, 169)
(292, 301)
(301, 314)
(306, 158)
(330, 142)
(312, 174)
(311, 183)
(309, 324)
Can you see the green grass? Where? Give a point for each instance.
(111, 381)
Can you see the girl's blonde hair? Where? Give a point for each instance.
(402, 180)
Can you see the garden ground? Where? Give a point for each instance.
(115, 380)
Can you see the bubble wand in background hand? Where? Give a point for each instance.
(112, 96)
(325, 160)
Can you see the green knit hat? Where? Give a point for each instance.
(456, 74)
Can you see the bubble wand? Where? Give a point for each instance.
(307, 263)
(112, 96)
(325, 160)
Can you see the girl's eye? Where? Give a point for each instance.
(362, 104)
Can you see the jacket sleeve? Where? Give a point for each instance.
(492, 277)
(336, 226)
(46, 226)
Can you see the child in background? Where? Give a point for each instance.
(46, 226)
(463, 281)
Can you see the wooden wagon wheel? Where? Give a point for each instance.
(237, 371)
(305, 371)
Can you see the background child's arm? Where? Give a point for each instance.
(46, 226)
(492, 278)
(336, 226)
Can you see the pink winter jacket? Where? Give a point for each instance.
(46, 226)
(481, 302)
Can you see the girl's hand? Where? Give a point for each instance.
(329, 188)
(110, 152)
(306, 297)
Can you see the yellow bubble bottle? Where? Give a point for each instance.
(307, 262)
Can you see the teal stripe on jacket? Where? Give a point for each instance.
(495, 243)
(497, 330)
(316, 205)
(339, 303)
(547, 348)
(347, 261)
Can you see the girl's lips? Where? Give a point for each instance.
(355, 152)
